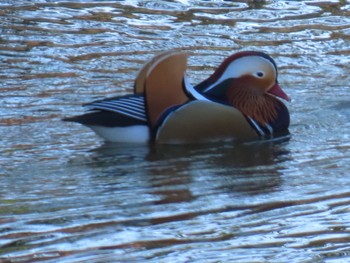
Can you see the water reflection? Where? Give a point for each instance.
(251, 168)
(67, 197)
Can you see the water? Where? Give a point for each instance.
(68, 197)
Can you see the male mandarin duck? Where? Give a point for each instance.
(237, 102)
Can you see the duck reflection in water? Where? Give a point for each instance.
(252, 168)
(172, 171)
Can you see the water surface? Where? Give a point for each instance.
(66, 196)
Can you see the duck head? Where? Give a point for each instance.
(248, 81)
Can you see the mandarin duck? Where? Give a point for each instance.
(239, 101)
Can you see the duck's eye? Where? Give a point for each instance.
(259, 74)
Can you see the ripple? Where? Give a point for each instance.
(69, 197)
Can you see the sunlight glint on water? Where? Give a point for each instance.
(68, 197)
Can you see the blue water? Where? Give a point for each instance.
(66, 196)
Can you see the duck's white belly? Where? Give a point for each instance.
(130, 134)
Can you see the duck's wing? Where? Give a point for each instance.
(140, 81)
(164, 85)
(161, 81)
(204, 121)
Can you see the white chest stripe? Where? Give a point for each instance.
(192, 91)
(256, 126)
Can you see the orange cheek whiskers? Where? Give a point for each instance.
(261, 107)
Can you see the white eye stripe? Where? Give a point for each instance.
(248, 65)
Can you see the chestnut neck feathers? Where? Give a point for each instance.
(247, 96)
